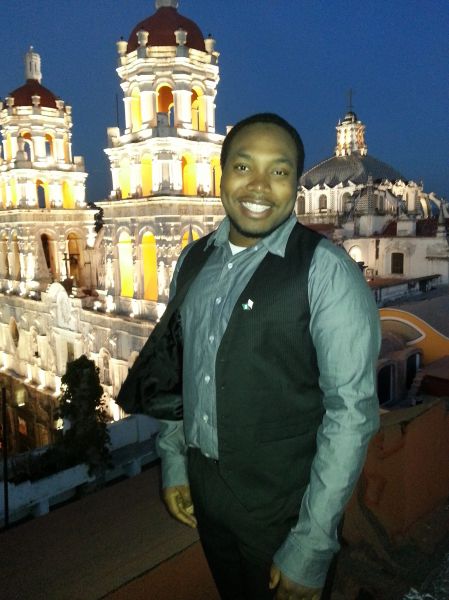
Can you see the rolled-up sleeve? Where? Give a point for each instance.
(345, 330)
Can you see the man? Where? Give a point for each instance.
(280, 340)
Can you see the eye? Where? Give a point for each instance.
(241, 167)
(281, 172)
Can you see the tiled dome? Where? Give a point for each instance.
(162, 26)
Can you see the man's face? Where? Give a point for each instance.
(258, 185)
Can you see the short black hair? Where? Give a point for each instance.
(271, 119)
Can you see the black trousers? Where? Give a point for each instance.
(239, 548)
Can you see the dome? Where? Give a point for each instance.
(355, 168)
(162, 26)
(22, 95)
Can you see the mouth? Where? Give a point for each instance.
(255, 208)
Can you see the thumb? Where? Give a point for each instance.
(275, 576)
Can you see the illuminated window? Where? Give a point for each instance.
(68, 197)
(164, 99)
(189, 185)
(149, 255)
(125, 254)
(136, 113)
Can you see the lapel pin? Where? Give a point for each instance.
(248, 305)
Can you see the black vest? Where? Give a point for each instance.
(269, 403)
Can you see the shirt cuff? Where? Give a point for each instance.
(174, 471)
(302, 565)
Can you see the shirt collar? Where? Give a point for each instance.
(275, 243)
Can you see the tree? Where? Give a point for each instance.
(82, 408)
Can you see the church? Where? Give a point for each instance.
(79, 278)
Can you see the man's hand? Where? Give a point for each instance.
(179, 504)
(288, 589)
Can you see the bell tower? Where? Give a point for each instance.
(169, 75)
(36, 165)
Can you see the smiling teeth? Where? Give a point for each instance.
(257, 208)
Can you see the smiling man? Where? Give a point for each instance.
(280, 337)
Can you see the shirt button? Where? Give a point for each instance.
(217, 300)
(207, 455)
(205, 418)
(207, 378)
(230, 265)
(211, 338)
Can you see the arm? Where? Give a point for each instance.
(172, 450)
(345, 329)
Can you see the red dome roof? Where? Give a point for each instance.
(22, 95)
(162, 26)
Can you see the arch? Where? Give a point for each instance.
(346, 203)
(49, 248)
(198, 109)
(14, 331)
(215, 176)
(28, 145)
(124, 177)
(301, 205)
(146, 174)
(73, 257)
(136, 111)
(164, 98)
(189, 185)
(48, 145)
(355, 252)
(386, 383)
(126, 266)
(42, 193)
(149, 259)
(322, 203)
(68, 197)
(190, 235)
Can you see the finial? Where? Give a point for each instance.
(33, 65)
(166, 4)
(350, 94)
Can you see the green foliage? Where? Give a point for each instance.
(81, 405)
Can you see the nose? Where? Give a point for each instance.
(259, 182)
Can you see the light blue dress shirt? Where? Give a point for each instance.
(344, 326)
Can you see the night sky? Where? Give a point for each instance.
(295, 57)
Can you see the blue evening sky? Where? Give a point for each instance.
(295, 57)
